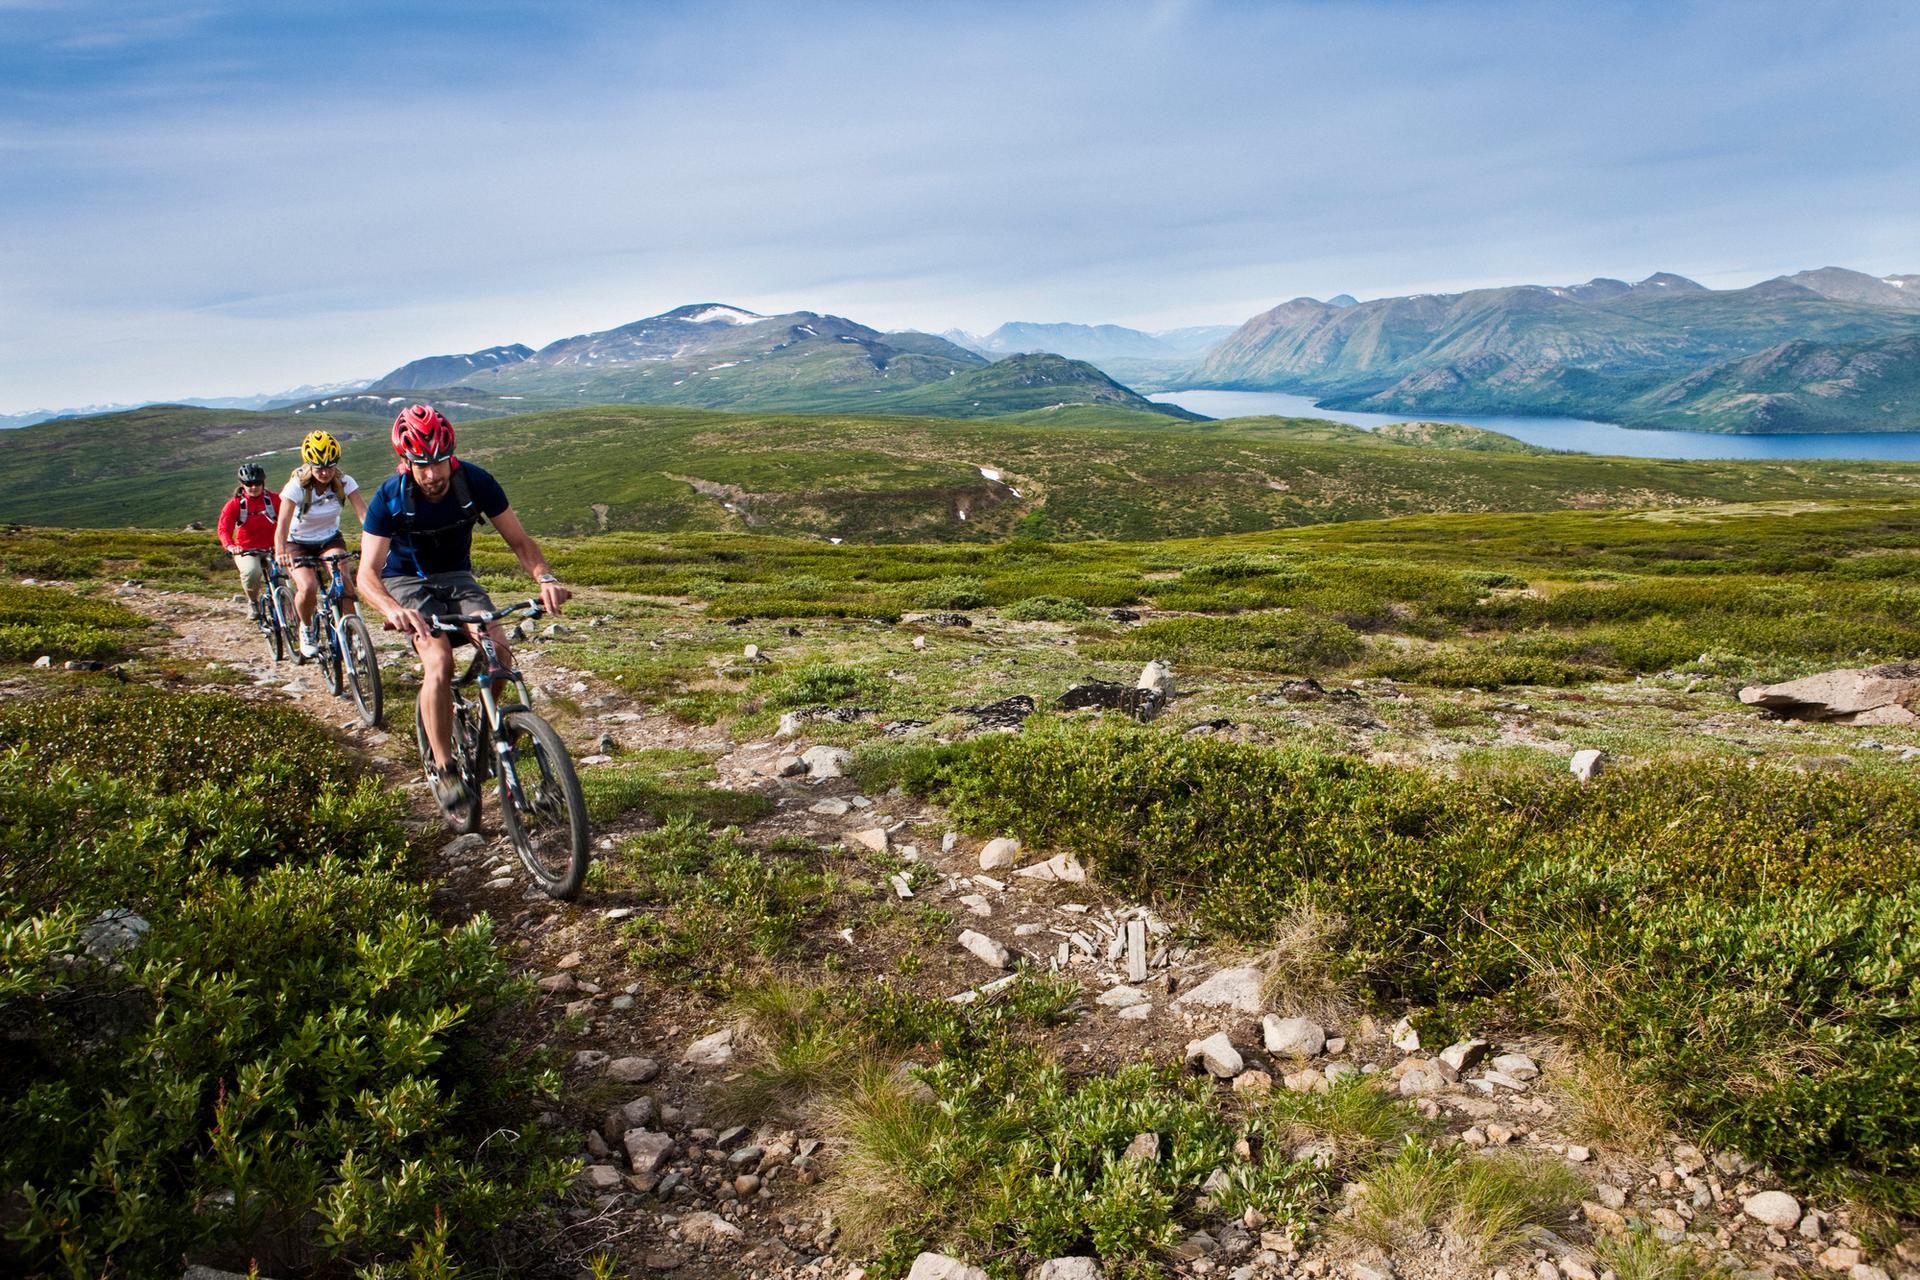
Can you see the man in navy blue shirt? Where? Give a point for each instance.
(416, 562)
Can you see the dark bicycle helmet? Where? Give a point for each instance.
(252, 473)
(422, 434)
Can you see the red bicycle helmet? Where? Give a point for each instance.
(422, 434)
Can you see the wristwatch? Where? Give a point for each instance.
(549, 577)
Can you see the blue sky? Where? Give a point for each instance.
(221, 198)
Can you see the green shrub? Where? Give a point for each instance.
(959, 591)
(1047, 609)
(45, 620)
(295, 1056)
(1295, 643)
(822, 683)
(1739, 922)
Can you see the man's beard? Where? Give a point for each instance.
(436, 492)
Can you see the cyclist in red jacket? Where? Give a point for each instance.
(247, 523)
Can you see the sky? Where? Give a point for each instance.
(228, 198)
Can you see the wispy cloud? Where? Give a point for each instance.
(239, 198)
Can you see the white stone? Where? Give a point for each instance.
(873, 838)
(1121, 997)
(1294, 1037)
(976, 903)
(1061, 867)
(646, 1150)
(900, 886)
(1517, 1065)
(985, 948)
(1156, 675)
(1068, 1269)
(1237, 989)
(826, 762)
(1217, 1054)
(711, 1051)
(1465, 1055)
(633, 1070)
(705, 1227)
(938, 1266)
(1403, 1035)
(1586, 765)
(1775, 1208)
(829, 808)
(999, 853)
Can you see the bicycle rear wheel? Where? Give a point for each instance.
(363, 669)
(464, 750)
(541, 805)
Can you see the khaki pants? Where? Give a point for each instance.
(253, 573)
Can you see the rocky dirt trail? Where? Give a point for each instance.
(669, 1190)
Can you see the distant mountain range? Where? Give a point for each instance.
(1825, 350)
(1093, 342)
(713, 356)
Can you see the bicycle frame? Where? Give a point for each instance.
(486, 672)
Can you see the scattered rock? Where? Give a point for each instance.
(711, 1051)
(1237, 989)
(1517, 1065)
(874, 838)
(1061, 867)
(1121, 997)
(1586, 765)
(1293, 1037)
(632, 1070)
(1008, 713)
(999, 853)
(1144, 1149)
(600, 1178)
(1465, 1055)
(111, 932)
(1253, 1082)
(1775, 1208)
(646, 1149)
(1217, 1055)
(938, 1266)
(705, 1227)
(829, 808)
(826, 762)
(1403, 1036)
(1157, 676)
(1142, 704)
(44, 661)
(1078, 1268)
(985, 948)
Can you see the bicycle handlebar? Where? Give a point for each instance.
(453, 621)
(315, 561)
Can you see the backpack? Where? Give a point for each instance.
(272, 501)
(407, 518)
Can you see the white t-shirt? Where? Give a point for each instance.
(322, 519)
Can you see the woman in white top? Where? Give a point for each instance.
(309, 525)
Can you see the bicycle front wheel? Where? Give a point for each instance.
(330, 661)
(270, 628)
(363, 669)
(541, 806)
(464, 748)
(286, 622)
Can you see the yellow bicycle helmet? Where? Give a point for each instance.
(319, 449)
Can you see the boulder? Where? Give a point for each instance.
(1586, 765)
(1465, 1055)
(1886, 694)
(1237, 989)
(646, 1149)
(1156, 675)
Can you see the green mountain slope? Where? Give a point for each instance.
(1605, 349)
(1803, 386)
(899, 478)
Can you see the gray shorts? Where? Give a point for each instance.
(440, 595)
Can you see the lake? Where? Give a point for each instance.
(1578, 434)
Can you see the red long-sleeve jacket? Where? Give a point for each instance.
(255, 530)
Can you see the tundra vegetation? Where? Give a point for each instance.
(1370, 736)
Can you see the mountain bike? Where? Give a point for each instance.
(541, 805)
(276, 618)
(346, 646)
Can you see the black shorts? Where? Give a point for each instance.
(335, 543)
